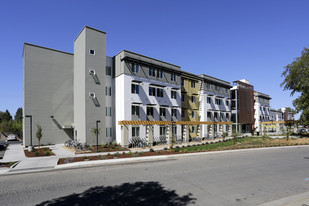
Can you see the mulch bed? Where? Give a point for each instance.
(6, 164)
(115, 156)
(43, 152)
(107, 148)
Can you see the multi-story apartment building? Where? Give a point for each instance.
(215, 105)
(190, 102)
(147, 90)
(242, 106)
(261, 109)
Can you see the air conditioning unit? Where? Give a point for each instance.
(92, 95)
(92, 72)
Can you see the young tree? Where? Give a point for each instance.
(19, 115)
(39, 133)
(297, 79)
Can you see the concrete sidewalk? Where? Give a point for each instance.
(13, 153)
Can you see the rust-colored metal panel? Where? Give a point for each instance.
(245, 103)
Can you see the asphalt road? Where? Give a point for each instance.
(240, 178)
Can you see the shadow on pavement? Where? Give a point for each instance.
(137, 194)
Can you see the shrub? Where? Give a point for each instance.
(151, 150)
(130, 153)
(108, 153)
(177, 149)
(36, 153)
(47, 153)
(123, 153)
(165, 148)
(114, 143)
(158, 152)
(116, 154)
(140, 153)
(85, 157)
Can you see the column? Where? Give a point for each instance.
(125, 135)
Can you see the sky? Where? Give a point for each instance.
(226, 39)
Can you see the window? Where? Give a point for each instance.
(193, 99)
(216, 116)
(174, 112)
(108, 91)
(216, 87)
(160, 73)
(150, 111)
(183, 114)
(162, 130)
(182, 97)
(135, 131)
(135, 68)
(108, 111)
(92, 52)
(108, 132)
(152, 91)
(221, 116)
(227, 102)
(159, 92)
(208, 100)
(192, 84)
(174, 130)
(173, 77)
(135, 110)
(193, 129)
(134, 89)
(152, 72)
(182, 82)
(193, 114)
(207, 85)
(162, 112)
(218, 101)
(108, 71)
(173, 94)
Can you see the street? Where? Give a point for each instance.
(238, 178)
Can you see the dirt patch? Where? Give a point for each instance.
(39, 153)
(102, 148)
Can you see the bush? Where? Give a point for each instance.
(158, 152)
(151, 150)
(140, 153)
(116, 154)
(36, 153)
(165, 148)
(177, 149)
(130, 153)
(85, 157)
(47, 153)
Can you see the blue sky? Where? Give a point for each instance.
(227, 39)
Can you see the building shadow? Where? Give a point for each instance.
(137, 194)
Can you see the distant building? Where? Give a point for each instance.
(261, 109)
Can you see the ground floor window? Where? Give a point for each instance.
(108, 132)
(162, 130)
(135, 131)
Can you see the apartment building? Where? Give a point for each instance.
(190, 102)
(261, 109)
(147, 90)
(215, 106)
(242, 96)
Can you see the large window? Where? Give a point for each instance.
(193, 113)
(192, 84)
(134, 89)
(218, 101)
(160, 74)
(152, 72)
(135, 68)
(162, 112)
(152, 91)
(208, 100)
(150, 111)
(173, 77)
(182, 97)
(173, 94)
(135, 131)
(159, 92)
(174, 130)
(227, 102)
(183, 114)
(182, 82)
(162, 130)
(108, 111)
(135, 110)
(174, 112)
(108, 91)
(207, 85)
(108, 132)
(108, 71)
(193, 99)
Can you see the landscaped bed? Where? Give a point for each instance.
(39, 152)
(239, 143)
(103, 148)
(6, 164)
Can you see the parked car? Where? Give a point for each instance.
(3, 145)
(11, 137)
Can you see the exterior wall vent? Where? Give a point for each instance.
(92, 95)
(92, 72)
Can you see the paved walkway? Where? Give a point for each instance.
(13, 153)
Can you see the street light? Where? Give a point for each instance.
(97, 131)
(30, 116)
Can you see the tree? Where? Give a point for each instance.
(39, 133)
(6, 116)
(19, 115)
(297, 79)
